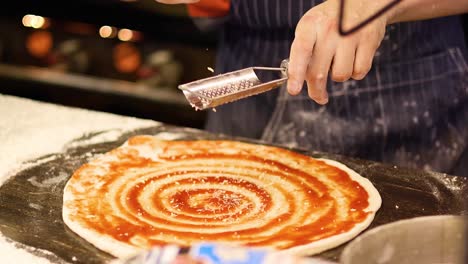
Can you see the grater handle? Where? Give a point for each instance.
(284, 68)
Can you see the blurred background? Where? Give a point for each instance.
(119, 56)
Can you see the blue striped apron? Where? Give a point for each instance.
(411, 110)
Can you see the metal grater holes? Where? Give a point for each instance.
(228, 89)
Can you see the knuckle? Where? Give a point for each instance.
(371, 37)
(375, 40)
(316, 78)
(331, 24)
(369, 33)
(341, 76)
(358, 77)
(319, 77)
(361, 70)
(359, 74)
(340, 73)
(317, 74)
(365, 69)
(305, 22)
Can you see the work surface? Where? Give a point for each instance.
(43, 144)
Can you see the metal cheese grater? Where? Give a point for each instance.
(232, 86)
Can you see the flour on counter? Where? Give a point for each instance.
(107, 136)
(169, 136)
(48, 182)
(31, 129)
(10, 253)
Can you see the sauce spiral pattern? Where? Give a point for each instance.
(150, 192)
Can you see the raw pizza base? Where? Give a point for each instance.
(137, 183)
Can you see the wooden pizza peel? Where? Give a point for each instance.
(31, 200)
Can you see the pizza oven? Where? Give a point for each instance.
(123, 57)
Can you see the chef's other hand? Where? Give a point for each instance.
(319, 48)
(173, 2)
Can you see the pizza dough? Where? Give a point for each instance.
(151, 192)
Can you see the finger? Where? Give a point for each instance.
(300, 55)
(363, 62)
(317, 72)
(343, 61)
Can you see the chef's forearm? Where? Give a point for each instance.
(411, 10)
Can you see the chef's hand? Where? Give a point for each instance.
(318, 47)
(173, 2)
